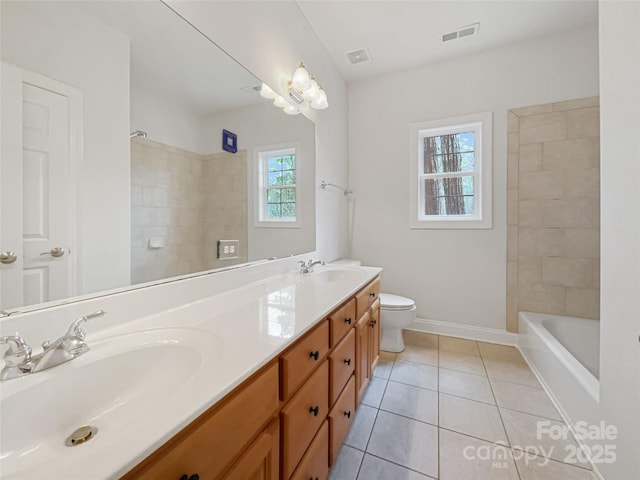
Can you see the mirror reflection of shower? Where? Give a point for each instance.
(138, 133)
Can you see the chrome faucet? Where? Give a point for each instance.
(308, 267)
(18, 360)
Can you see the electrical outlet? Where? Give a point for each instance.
(228, 249)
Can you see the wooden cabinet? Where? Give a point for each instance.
(342, 364)
(261, 460)
(288, 421)
(340, 418)
(302, 417)
(342, 320)
(226, 429)
(303, 358)
(315, 464)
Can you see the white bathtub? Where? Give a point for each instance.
(564, 352)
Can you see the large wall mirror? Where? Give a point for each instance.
(112, 171)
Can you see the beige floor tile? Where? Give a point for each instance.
(511, 372)
(418, 354)
(388, 355)
(467, 385)
(415, 374)
(347, 465)
(471, 418)
(379, 469)
(383, 368)
(467, 458)
(375, 390)
(532, 467)
(406, 442)
(459, 345)
(461, 362)
(504, 353)
(420, 339)
(360, 430)
(522, 430)
(414, 402)
(524, 399)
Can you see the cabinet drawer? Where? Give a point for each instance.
(366, 296)
(342, 362)
(226, 431)
(298, 362)
(340, 418)
(302, 416)
(261, 459)
(342, 320)
(315, 463)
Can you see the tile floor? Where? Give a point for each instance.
(454, 409)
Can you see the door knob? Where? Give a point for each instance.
(8, 257)
(55, 252)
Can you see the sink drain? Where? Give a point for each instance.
(81, 435)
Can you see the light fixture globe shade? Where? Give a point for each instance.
(291, 110)
(320, 102)
(267, 92)
(300, 79)
(280, 102)
(312, 92)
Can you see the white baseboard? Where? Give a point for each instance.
(470, 332)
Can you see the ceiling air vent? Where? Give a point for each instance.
(359, 56)
(467, 31)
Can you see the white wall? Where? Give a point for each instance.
(620, 226)
(166, 122)
(269, 39)
(265, 125)
(60, 45)
(454, 275)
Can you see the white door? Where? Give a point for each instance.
(36, 189)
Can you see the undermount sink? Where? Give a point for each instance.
(107, 388)
(338, 274)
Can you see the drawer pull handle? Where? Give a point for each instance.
(347, 414)
(315, 410)
(195, 476)
(313, 478)
(347, 321)
(314, 355)
(372, 294)
(372, 323)
(347, 361)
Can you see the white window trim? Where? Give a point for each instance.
(482, 186)
(259, 192)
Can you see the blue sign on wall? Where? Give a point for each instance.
(229, 141)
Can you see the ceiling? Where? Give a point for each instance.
(405, 34)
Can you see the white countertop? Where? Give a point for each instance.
(235, 332)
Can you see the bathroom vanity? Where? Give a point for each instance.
(289, 419)
(247, 373)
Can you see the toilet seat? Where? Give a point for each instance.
(392, 302)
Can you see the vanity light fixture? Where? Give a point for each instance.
(267, 92)
(303, 87)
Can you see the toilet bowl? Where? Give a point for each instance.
(396, 313)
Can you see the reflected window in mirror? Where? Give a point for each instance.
(278, 193)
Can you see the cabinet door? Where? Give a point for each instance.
(315, 463)
(261, 460)
(374, 337)
(341, 418)
(363, 367)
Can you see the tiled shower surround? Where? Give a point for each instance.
(553, 210)
(190, 201)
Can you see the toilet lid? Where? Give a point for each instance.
(395, 302)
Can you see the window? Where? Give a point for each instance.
(277, 191)
(451, 173)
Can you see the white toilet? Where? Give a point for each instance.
(396, 313)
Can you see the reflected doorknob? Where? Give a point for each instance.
(8, 257)
(55, 252)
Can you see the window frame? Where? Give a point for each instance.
(481, 125)
(261, 155)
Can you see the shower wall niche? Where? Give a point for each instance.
(553, 210)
